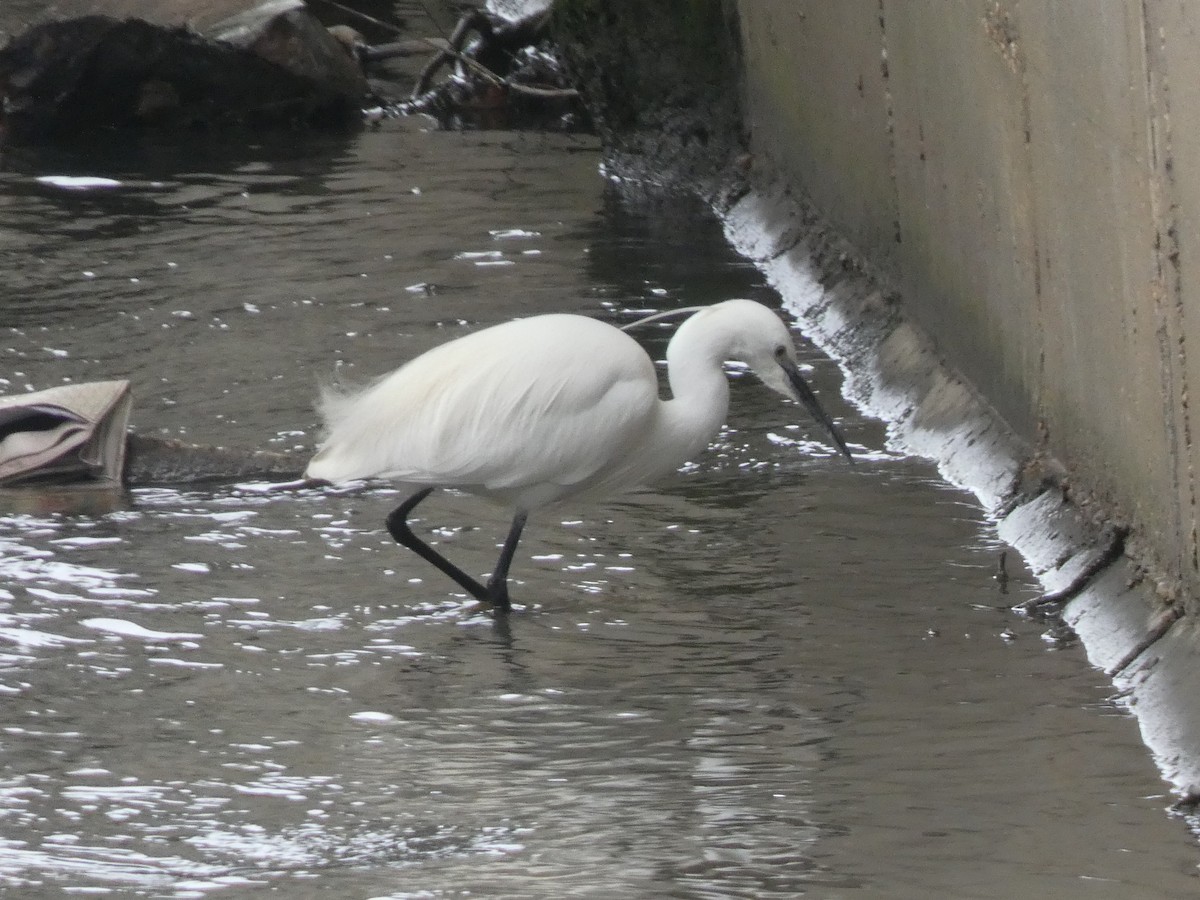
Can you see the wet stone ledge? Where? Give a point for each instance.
(1132, 626)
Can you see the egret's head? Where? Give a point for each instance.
(763, 342)
(751, 333)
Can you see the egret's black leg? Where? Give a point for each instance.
(397, 526)
(497, 586)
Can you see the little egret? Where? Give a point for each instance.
(535, 410)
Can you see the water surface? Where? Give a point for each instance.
(776, 675)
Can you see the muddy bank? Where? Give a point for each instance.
(666, 91)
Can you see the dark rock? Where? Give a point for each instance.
(294, 40)
(65, 77)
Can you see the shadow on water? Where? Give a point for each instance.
(774, 675)
(648, 247)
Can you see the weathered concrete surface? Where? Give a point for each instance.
(1027, 175)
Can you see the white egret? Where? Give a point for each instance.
(535, 410)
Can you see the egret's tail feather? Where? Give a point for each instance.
(335, 398)
(335, 405)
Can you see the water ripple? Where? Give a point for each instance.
(773, 676)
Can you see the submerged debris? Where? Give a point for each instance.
(1050, 604)
(1001, 574)
(153, 460)
(503, 72)
(78, 435)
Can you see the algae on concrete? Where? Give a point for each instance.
(661, 81)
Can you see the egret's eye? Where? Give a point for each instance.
(781, 353)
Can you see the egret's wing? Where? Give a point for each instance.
(560, 430)
(553, 399)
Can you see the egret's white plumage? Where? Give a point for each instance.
(502, 412)
(538, 409)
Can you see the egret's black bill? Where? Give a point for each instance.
(806, 396)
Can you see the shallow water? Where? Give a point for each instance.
(776, 675)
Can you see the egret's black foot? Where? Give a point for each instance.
(497, 596)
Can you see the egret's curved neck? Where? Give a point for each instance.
(699, 390)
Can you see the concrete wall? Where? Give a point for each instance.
(1027, 173)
